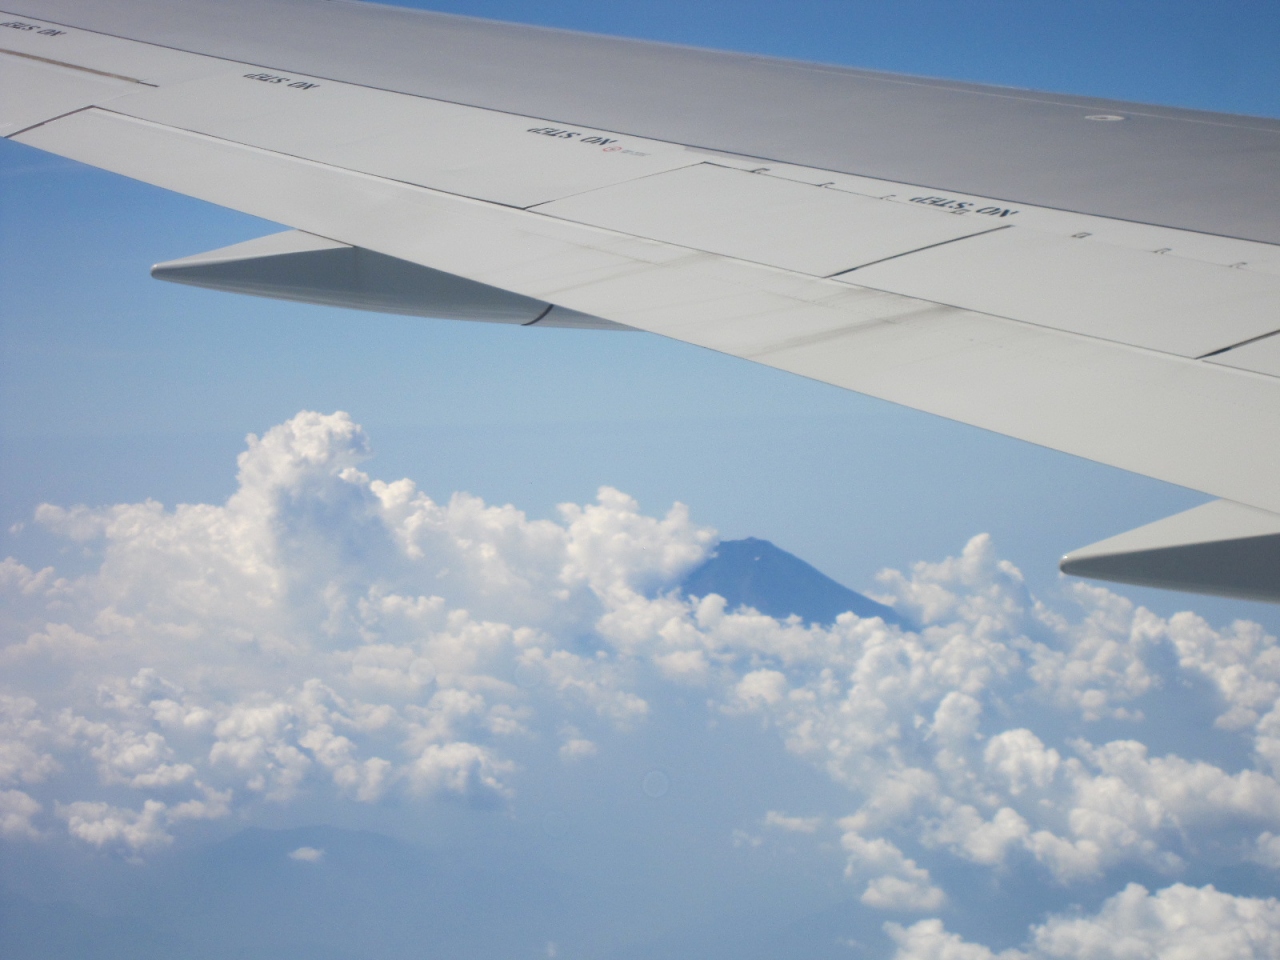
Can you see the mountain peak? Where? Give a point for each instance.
(755, 573)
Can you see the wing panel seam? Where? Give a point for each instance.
(73, 66)
(907, 253)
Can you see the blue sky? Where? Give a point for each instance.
(115, 388)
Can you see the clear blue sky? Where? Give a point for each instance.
(115, 388)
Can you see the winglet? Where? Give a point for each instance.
(1220, 548)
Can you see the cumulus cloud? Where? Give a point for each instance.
(318, 626)
(1174, 923)
(896, 882)
(329, 635)
(16, 812)
(137, 831)
(930, 940)
(575, 746)
(307, 854)
(22, 736)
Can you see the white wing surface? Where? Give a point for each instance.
(1107, 285)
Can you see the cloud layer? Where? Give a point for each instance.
(328, 634)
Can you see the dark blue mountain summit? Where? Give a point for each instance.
(755, 573)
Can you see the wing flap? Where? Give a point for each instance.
(1139, 297)
(783, 223)
(1260, 356)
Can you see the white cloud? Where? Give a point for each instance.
(1176, 923)
(1242, 662)
(896, 882)
(965, 832)
(23, 736)
(307, 854)
(1267, 851)
(16, 811)
(1100, 661)
(1021, 760)
(930, 940)
(466, 769)
(761, 688)
(103, 825)
(138, 831)
(322, 624)
(575, 746)
(327, 635)
(792, 824)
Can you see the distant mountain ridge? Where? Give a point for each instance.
(755, 573)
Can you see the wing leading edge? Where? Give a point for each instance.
(1140, 345)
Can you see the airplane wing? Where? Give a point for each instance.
(1097, 277)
